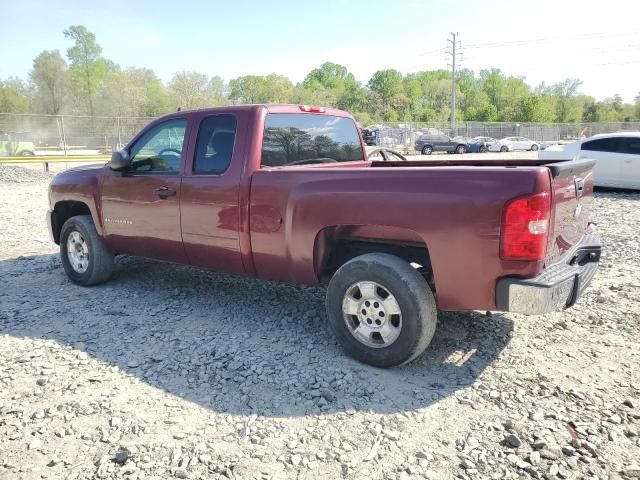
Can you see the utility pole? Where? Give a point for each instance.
(454, 44)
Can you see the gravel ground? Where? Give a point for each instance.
(167, 371)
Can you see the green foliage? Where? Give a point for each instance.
(88, 69)
(49, 75)
(387, 84)
(195, 90)
(272, 88)
(14, 96)
(95, 85)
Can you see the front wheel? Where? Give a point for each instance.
(85, 259)
(461, 149)
(504, 148)
(381, 310)
(534, 148)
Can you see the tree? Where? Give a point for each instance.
(196, 90)
(515, 91)
(329, 75)
(493, 85)
(567, 108)
(272, 88)
(534, 108)
(132, 92)
(49, 76)
(387, 84)
(14, 96)
(87, 67)
(332, 85)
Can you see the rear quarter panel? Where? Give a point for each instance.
(456, 211)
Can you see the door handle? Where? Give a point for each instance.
(165, 192)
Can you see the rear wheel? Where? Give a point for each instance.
(427, 150)
(534, 147)
(85, 259)
(461, 149)
(504, 148)
(381, 310)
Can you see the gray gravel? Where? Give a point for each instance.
(167, 371)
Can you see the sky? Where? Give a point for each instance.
(542, 40)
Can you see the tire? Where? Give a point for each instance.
(461, 149)
(99, 261)
(483, 149)
(427, 150)
(413, 327)
(504, 148)
(534, 148)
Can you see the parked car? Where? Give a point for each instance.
(520, 143)
(14, 144)
(286, 192)
(617, 157)
(494, 145)
(473, 146)
(427, 144)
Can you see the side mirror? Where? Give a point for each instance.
(119, 160)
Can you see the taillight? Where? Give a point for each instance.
(311, 108)
(525, 227)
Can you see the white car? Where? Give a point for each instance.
(617, 157)
(494, 145)
(520, 143)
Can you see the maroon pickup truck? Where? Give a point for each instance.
(286, 192)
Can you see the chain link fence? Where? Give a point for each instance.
(26, 134)
(404, 135)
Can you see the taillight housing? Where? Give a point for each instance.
(525, 227)
(312, 108)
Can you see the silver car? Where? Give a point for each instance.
(521, 143)
(493, 145)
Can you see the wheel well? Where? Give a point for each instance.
(62, 212)
(333, 252)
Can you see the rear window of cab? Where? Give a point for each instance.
(307, 139)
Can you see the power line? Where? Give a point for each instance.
(585, 36)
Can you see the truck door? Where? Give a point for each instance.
(209, 202)
(631, 162)
(140, 208)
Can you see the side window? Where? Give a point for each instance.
(610, 145)
(159, 150)
(214, 148)
(633, 145)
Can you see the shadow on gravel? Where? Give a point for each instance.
(234, 344)
(606, 192)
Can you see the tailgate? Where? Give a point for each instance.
(572, 187)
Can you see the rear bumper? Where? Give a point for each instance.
(557, 287)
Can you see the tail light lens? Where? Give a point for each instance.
(525, 227)
(312, 108)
